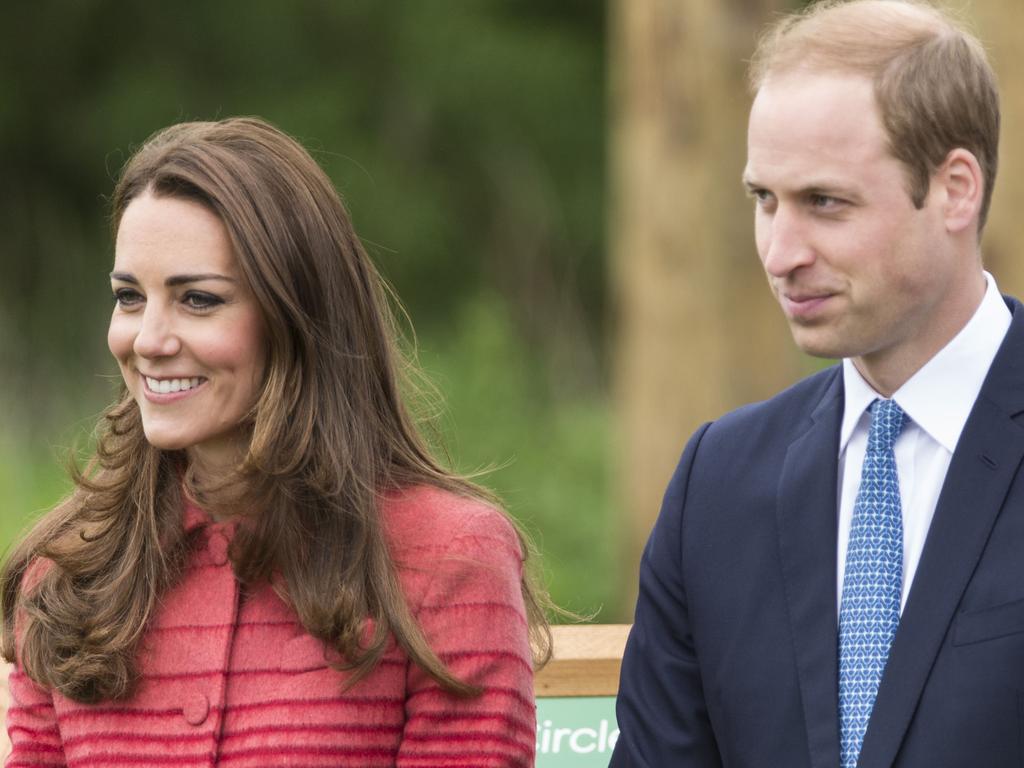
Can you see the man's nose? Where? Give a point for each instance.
(785, 241)
(157, 336)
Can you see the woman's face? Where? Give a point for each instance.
(186, 330)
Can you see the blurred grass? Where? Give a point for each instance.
(32, 479)
(549, 452)
(546, 452)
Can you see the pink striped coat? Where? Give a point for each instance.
(230, 678)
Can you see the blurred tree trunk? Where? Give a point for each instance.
(698, 332)
(1000, 25)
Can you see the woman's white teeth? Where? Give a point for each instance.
(166, 386)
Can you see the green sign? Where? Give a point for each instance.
(575, 731)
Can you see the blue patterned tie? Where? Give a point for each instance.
(870, 608)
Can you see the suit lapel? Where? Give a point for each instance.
(806, 516)
(983, 467)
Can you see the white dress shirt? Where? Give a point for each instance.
(937, 401)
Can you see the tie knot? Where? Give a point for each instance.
(886, 423)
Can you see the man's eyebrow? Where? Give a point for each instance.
(749, 182)
(822, 186)
(173, 280)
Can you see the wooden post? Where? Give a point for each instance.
(698, 332)
(999, 25)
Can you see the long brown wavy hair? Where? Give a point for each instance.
(330, 433)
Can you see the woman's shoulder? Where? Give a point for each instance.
(36, 570)
(440, 537)
(428, 516)
(452, 551)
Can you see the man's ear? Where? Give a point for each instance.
(962, 184)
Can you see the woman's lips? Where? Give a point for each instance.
(169, 389)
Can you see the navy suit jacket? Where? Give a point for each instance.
(732, 660)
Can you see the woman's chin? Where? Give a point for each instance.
(166, 442)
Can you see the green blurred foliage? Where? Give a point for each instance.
(547, 458)
(467, 139)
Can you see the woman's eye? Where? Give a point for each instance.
(127, 297)
(201, 301)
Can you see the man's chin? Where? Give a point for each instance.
(811, 341)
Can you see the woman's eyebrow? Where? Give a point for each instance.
(127, 277)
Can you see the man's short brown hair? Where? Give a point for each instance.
(933, 83)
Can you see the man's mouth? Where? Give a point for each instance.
(803, 305)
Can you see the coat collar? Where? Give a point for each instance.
(195, 517)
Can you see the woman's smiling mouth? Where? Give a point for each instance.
(168, 386)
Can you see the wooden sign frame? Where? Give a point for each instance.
(586, 661)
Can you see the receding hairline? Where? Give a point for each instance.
(913, 22)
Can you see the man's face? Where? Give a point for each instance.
(858, 270)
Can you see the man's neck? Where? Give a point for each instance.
(889, 369)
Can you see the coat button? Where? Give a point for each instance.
(218, 549)
(196, 709)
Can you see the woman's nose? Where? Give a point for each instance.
(156, 336)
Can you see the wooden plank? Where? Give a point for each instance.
(586, 661)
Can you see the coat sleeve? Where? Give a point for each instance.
(31, 724)
(661, 710)
(473, 616)
(31, 719)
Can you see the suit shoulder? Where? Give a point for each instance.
(779, 418)
(800, 398)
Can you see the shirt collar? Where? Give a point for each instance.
(940, 396)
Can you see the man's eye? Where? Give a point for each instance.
(824, 201)
(201, 301)
(762, 198)
(127, 297)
